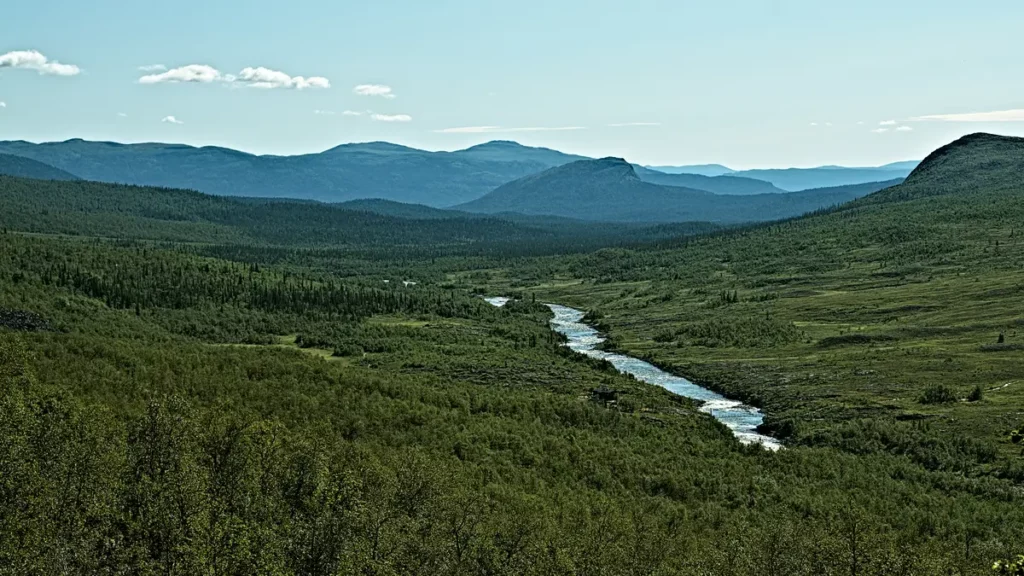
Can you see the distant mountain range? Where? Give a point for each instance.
(610, 189)
(701, 169)
(795, 179)
(383, 170)
(347, 172)
(725, 184)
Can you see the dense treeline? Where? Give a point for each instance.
(182, 291)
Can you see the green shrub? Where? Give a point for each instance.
(976, 395)
(938, 394)
(1010, 567)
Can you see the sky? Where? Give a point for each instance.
(746, 83)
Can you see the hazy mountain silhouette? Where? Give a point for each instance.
(609, 189)
(701, 169)
(375, 170)
(346, 172)
(725, 184)
(794, 179)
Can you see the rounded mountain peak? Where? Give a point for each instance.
(606, 167)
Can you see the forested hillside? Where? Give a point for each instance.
(28, 168)
(119, 211)
(97, 209)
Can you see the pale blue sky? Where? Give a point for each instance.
(730, 81)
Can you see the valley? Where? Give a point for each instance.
(528, 288)
(840, 317)
(325, 379)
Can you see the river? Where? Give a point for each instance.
(743, 420)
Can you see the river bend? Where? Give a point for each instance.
(743, 420)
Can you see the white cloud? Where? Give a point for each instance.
(374, 90)
(469, 130)
(3, 104)
(1016, 115)
(171, 120)
(323, 112)
(259, 77)
(887, 123)
(192, 73)
(814, 123)
(544, 129)
(626, 124)
(880, 130)
(266, 78)
(492, 129)
(33, 60)
(153, 68)
(904, 129)
(122, 115)
(860, 123)
(391, 117)
(351, 113)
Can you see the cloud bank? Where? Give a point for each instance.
(171, 120)
(33, 60)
